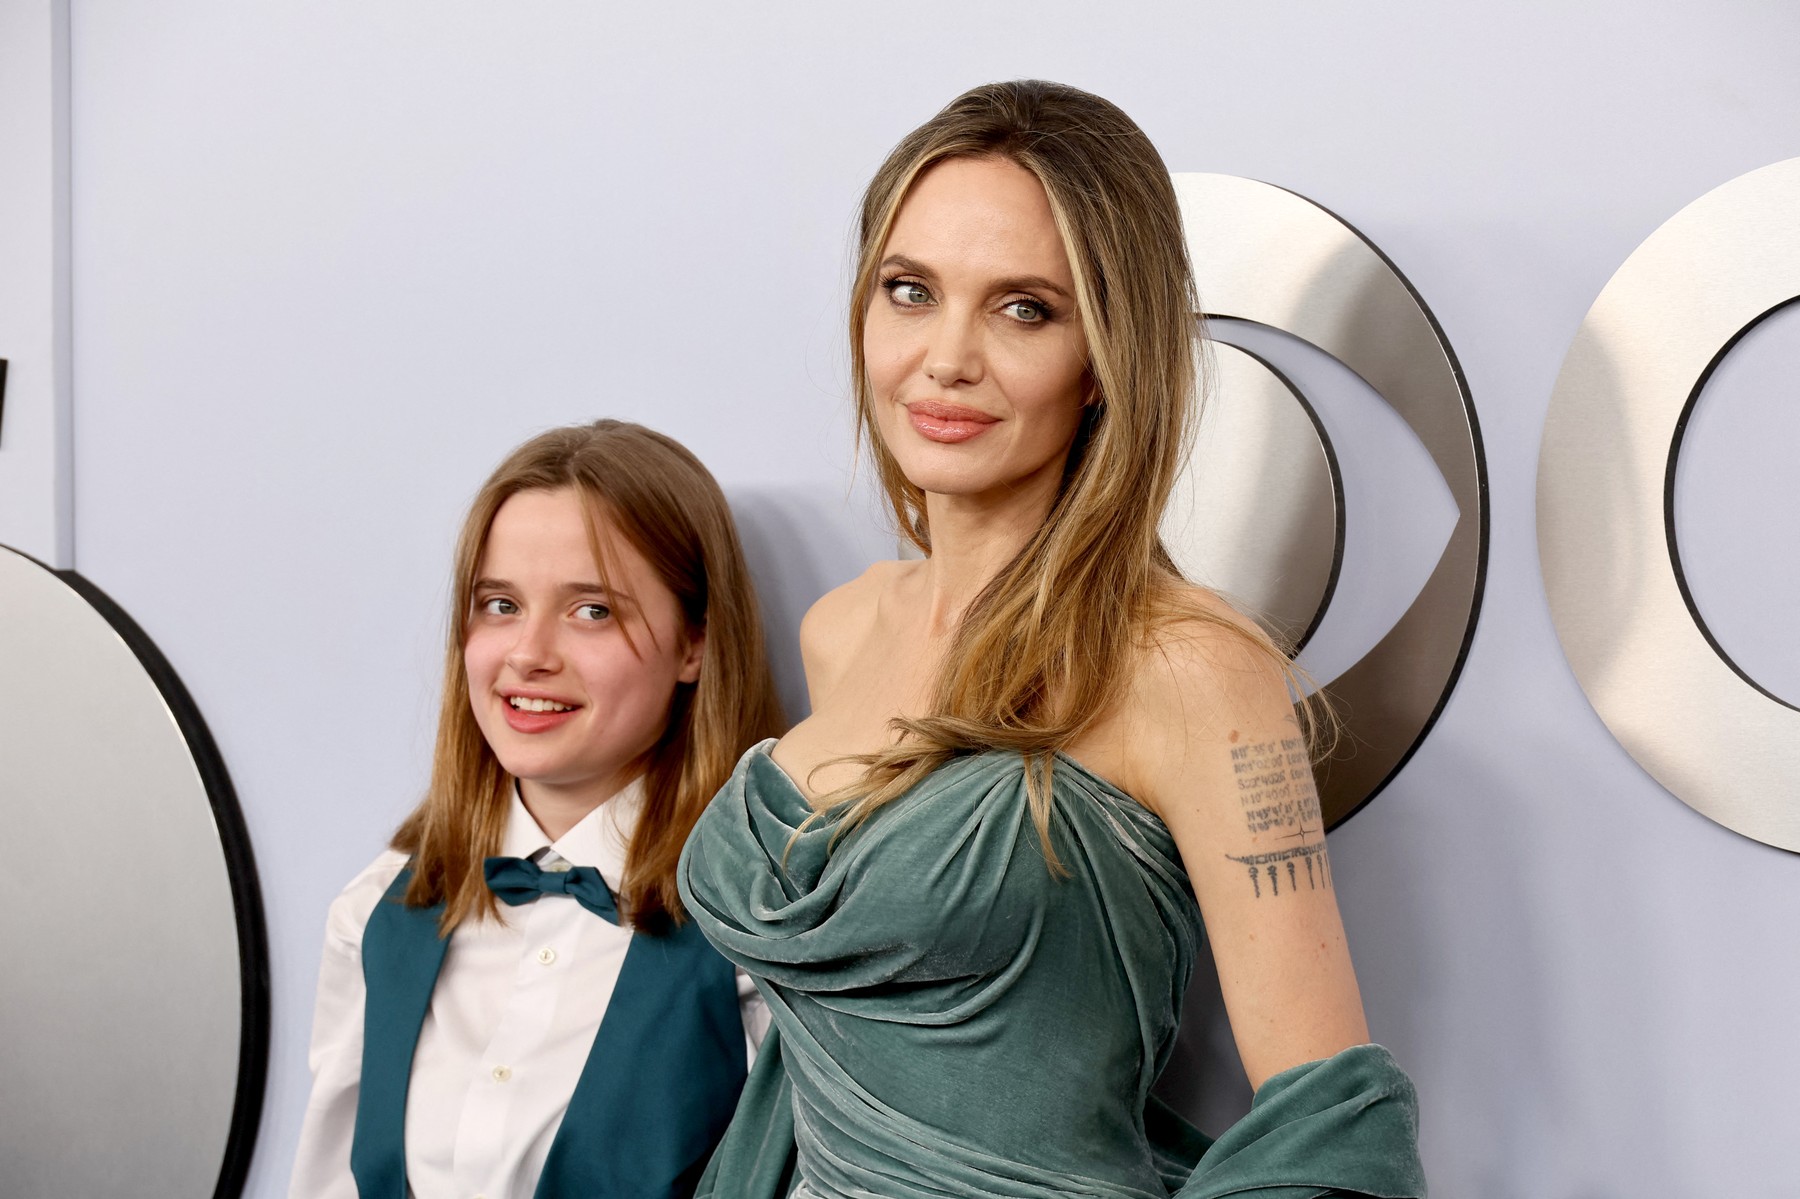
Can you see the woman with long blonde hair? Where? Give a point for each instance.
(971, 883)
(512, 1001)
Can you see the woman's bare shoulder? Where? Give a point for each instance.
(1197, 646)
(839, 619)
(849, 605)
(1199, 675)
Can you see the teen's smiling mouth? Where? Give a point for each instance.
(527, 712)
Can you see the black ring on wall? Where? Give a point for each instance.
(1675, 444)
(240, 868)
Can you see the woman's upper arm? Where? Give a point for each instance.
(1221, 758)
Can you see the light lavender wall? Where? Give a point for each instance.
(332, 259)
(36, 481)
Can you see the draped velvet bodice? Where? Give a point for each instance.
(953, 1017)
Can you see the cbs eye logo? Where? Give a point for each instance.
(1259, 514)
(1606, 516)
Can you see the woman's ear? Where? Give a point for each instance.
(694, 652)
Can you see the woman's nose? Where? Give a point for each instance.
(953, 355)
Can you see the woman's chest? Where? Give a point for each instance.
(882, 679)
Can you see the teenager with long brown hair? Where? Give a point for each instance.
(513, 1001)
(971, 883)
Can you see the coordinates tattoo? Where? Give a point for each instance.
(1276, 791)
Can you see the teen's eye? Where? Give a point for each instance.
(1027, 312)
(907, 293)
(499, 605)
(592, 612)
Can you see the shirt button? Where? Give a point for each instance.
(546, 955)
(502, 1073)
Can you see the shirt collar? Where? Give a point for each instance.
(601, 838)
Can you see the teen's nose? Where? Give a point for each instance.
(534, 649)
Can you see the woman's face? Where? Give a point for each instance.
(567, 703)
(976, 357)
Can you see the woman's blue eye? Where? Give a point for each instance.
(593, 612)
(499, 607)
(1029, 312)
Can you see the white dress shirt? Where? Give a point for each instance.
(512, 1019)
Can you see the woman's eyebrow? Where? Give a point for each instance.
(910, 265)
(913, 266)
(1029, 283)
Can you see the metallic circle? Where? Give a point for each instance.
(131, 847)
(1263, 254)
(1716, 741)
(1677, 443)
(1257, 514)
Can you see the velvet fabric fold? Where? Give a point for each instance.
(950, 1019)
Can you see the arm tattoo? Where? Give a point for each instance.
(1276, 791)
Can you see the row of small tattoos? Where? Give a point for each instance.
(1278, 796)
(1318, 869)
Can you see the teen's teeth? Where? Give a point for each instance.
(521, 703)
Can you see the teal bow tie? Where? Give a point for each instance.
(515, 881)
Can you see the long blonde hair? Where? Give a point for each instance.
(659, 497)
(1043, 650)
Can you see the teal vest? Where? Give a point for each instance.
(658, 1088)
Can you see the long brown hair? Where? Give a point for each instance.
(1042, 651)
(660, 498)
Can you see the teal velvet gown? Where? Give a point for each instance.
(952, 1019)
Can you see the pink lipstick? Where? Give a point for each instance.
(947, 423)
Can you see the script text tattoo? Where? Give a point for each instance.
(1280, 803)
